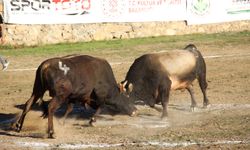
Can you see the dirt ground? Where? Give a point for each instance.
(225, 124)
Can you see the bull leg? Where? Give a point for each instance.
(19, 123)
(165, 102)
(93, 118)
(69, 109)
(63, 88)
(164, 95)
(191, 92)
(203, 86)
(53, 105)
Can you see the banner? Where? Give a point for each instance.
(215, 11)
(92, 11)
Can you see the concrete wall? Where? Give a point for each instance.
(47, 34)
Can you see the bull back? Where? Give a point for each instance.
(177, 62)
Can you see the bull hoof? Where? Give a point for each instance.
(192, 108)
(206, 106)
(92, 121)
(16, 127)
(51, 135)
(164, 116)
(134, 113)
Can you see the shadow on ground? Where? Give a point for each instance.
(79, 112)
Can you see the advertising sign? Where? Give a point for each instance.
(92, 11)
(214, 11)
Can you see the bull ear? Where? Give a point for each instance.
(130, 87)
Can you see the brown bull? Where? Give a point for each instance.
(69, 79)
(152, 76)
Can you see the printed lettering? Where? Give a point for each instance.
(46, 4)
(72, 5)
(36, 5)
(25, 3)
(15, 5)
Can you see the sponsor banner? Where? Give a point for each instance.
(92, 11)
(215, 11)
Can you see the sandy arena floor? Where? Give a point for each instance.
(225, 124)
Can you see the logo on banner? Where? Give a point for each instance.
(239, 7)
(72, 7)
(68, 7)
(200, 7)
(113, 8)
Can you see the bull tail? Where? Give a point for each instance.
(200, 62)
(39, 89)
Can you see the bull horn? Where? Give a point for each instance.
(122, 86)
(124, 83)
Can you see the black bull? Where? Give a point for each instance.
(84, 78)
(152, 76)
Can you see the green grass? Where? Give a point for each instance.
(120, 45)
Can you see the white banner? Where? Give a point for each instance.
(215, 11)
(92, 11)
